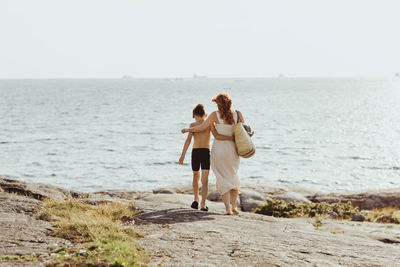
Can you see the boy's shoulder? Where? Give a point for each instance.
(195, 123)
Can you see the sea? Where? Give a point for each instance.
(327, 134)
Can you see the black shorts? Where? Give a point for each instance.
(200, 157)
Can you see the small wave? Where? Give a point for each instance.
(255, 177)
(282, 153)
(134, 181)
(164, 163)
(264, 147)
(145, 133)
(287, 148)
(307, 181)
(393, 168)
(44, 139)
(304, 160)
(151, 181)
(355, 177)
(80, 142)
(115, 167)
(359, 158)
(4, 142)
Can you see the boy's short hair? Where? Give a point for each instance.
(199, 110)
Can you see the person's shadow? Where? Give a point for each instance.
(171, 216)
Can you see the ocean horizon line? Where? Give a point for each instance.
(126, 77)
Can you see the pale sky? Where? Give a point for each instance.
(217, 38)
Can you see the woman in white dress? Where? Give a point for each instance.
(224, 158)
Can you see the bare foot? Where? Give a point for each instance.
(227, 213)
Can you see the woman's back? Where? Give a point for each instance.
(224, 158)
(222, 128)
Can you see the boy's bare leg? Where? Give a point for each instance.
(204, 187)
(233, 195)
(196, 178)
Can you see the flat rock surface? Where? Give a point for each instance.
(179, 236)
(22, 234)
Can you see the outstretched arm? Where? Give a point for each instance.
(201, 127)
(185, 148)
(220, 136)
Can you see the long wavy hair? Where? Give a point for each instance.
(224, 103)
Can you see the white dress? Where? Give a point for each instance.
(224, 158)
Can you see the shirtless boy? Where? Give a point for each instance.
(200, 156)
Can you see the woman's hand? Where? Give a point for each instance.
(185, 130)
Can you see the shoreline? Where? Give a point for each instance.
(364, 199)
(211, 187)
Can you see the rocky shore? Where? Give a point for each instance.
(176, 235)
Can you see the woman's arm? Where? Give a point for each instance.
(201, 127)
(220, 136)
(185, 148)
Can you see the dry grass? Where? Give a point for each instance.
(101, 234)
(16, 258)
(281, 208)
(372, 215)
(344, 211)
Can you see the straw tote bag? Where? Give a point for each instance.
(244, 145)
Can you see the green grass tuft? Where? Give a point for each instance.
(281, 208)
(99, 233)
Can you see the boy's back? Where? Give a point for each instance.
(201, 139)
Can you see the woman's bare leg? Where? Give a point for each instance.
(196, 178)
(233, 194)
(225, 199)
(204, 187)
